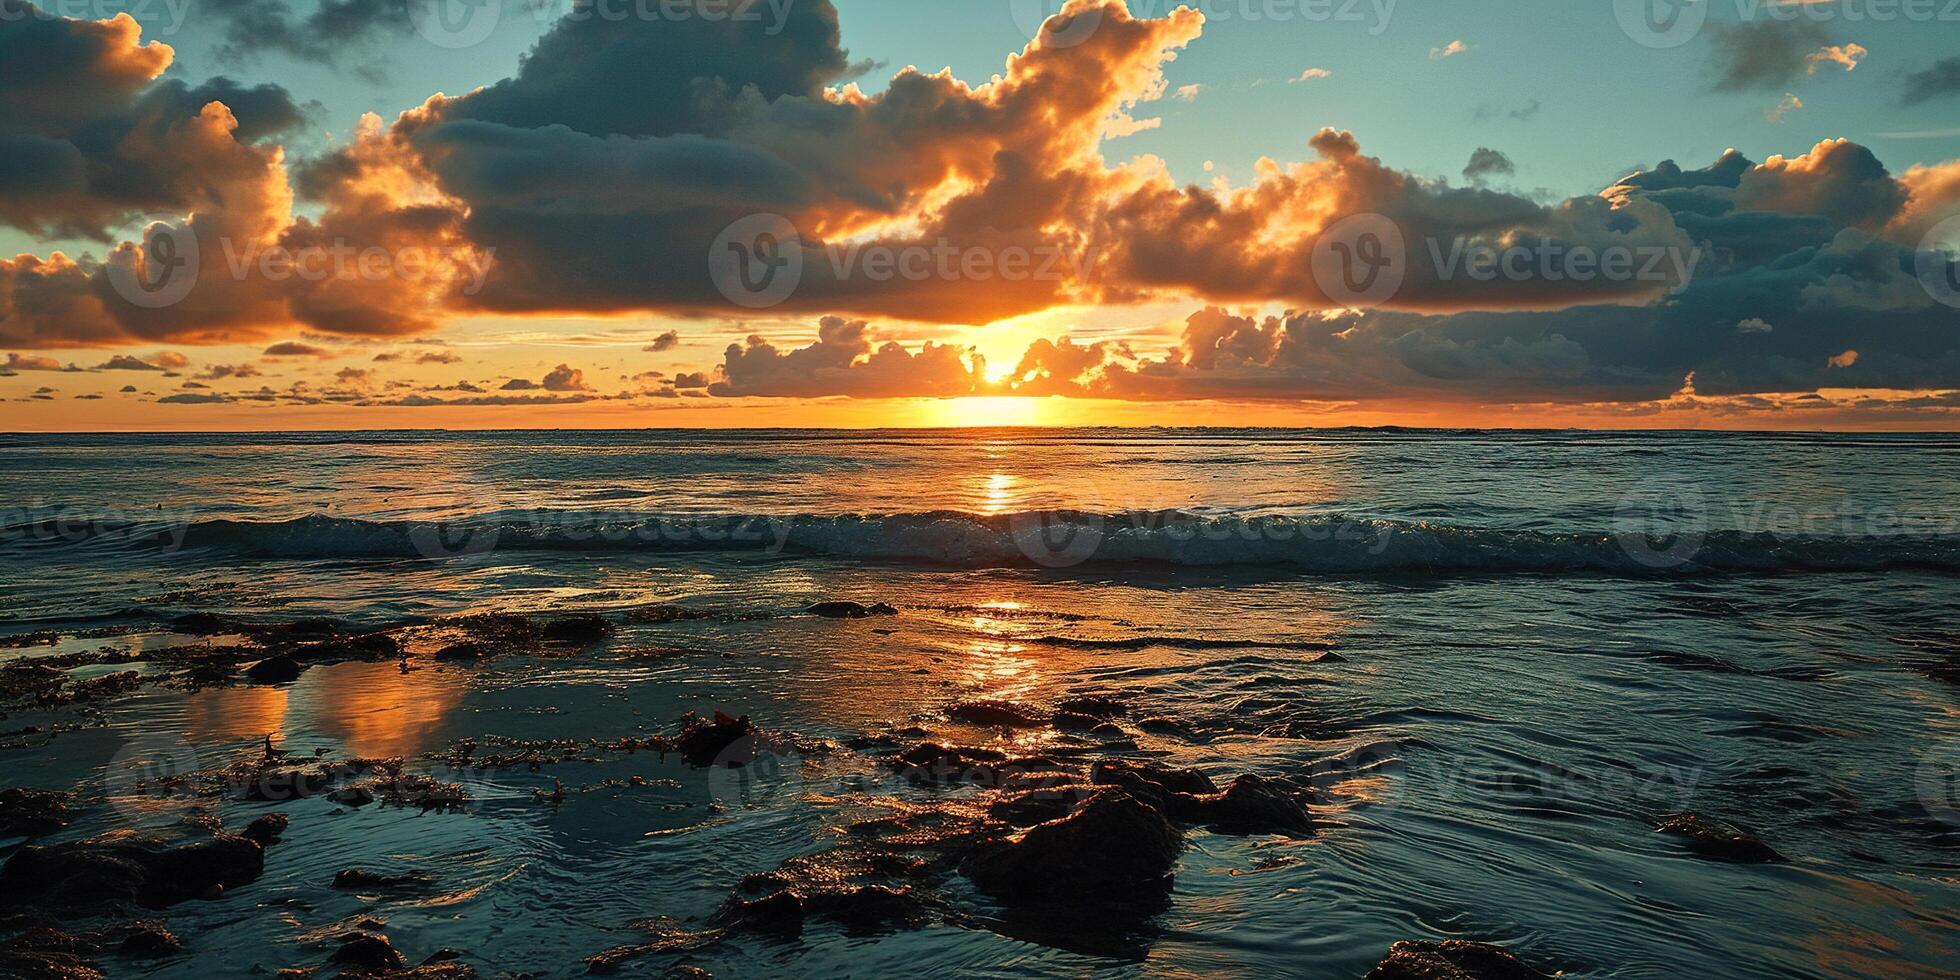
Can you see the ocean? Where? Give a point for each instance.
(1490, 664)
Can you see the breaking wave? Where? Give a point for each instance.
(1326, 544)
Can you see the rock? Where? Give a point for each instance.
(1094, 706)
(1451, 959)
(274, 670)
(368, 952)
(706, 744)
(1070, 721)
(1719, 840)
(123, 869)
(1037, 806)
(843, 609)
(1149, 781)
(361, 880)
(931, 762)
(367, 646)
(1251, 805)
(468, 651)
(1108, 851)
(265, 828)
(354, 796)
(996, 713)
(32, 812)
(148, 940)
(580, 628)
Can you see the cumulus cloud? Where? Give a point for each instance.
(666, 341)
(569, 199)
(1449, 50)
(1310, 75)
(124, 362)
(1486, 162)
(33, 362)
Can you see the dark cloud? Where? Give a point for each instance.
(1485, 163)
(1940, 80)
(334, 32)
(666, 341)
(89, 137)
(1768, 53)
(843, 361)
(294, 348)
(124, 362)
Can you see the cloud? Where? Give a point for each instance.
(1788, 104)
(1772, 53)
(194, 398)
(218, 372)
(124, 362)
(169, 360)
(1523, 113)
(666, 341)
(91, 137)
(1939, 80)
(565, 378)
(31, 362)
(1485, 162)
(1312, 74)
(1845, 55)
(1844, 360)
(294, 348)
(1449, 50)
(1754, 325)
(1189, 93)
(843, 361)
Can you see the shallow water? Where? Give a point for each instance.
(1542, 643)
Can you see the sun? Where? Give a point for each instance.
(989, 411)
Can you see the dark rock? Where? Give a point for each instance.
(1070, 721)
(354, 796)
(123, 869)
(1037, 806)
(1095, 706)
(32, 812)
(721, 742)
(1149, 781)
(368, 952)
(844, 609)
(367, 646)
(148, 940)
(467, 651)
(996, 713)
(361, 880)
(265, 828)
(1109, 851)
(274, 670)
(1718, 840)
(579, 628)
(1251, 805)
(1451, 959)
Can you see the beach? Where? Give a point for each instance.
(1164, 702)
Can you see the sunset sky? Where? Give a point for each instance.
(526, 213)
